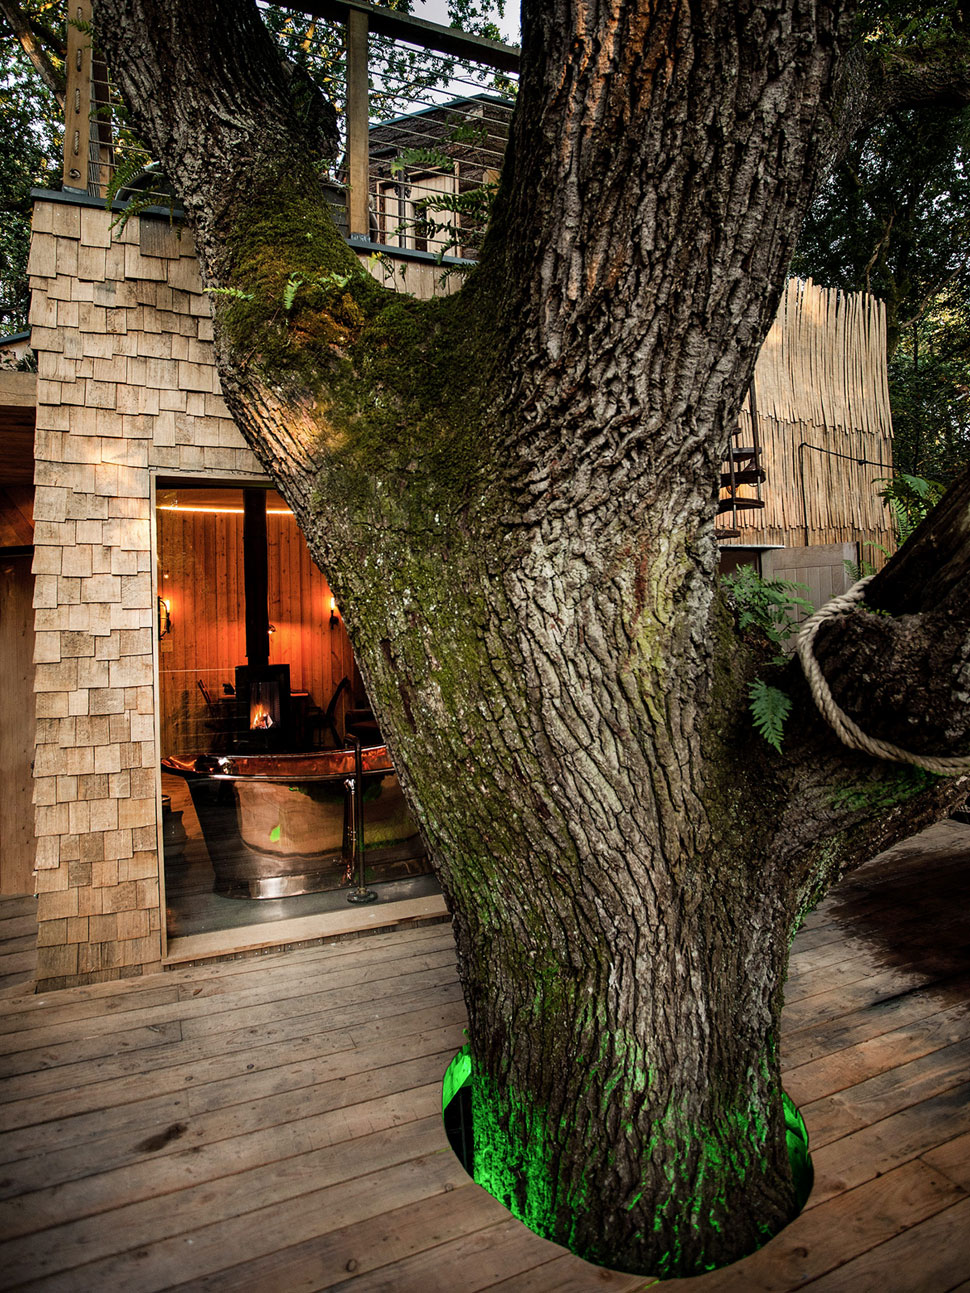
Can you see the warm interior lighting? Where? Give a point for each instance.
(264, 705)
(224, 511)
(334, 617)
(164, 617)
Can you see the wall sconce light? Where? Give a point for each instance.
(164, 617)
(271, 630)
(334, 617)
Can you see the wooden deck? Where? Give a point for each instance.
(272, 1123)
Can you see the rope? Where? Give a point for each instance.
(848, 732)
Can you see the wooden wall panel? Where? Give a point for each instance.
(16, 516)
(16, 738)
(201, 574)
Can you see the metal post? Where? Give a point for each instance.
(355, 786)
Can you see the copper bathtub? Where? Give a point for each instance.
(278, 825)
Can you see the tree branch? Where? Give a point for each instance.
(25, 33)
(263, 121)
(876, 79)
(900, 666)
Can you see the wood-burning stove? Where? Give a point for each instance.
(263, 697)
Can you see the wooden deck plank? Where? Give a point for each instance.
(871, 1019)
(202, 1249)
(867, 1103)
(69, 1189)
(328, 1258)
(826, 979)
(18, 907)
(829, 1234)
(472, 1262)
(847, 1162)
(114, 1142)
(238, 1027)
(200, 1062)
(171, 1001)
(926, 1250)
(126, 995)
(880, 986)
(264, 1123)
(294, 930)
(320, 1010)
(105, 1235)
(953, 1159)
(852, 1064)
(568, 1274)
(91, 1048)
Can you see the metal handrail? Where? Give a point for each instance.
(94, 144)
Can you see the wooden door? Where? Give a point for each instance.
(16, 725)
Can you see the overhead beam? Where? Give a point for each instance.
(399, 26)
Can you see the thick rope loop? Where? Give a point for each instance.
(848, 732)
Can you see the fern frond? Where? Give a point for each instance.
(233, 293)
(769, 709)
(293, 284)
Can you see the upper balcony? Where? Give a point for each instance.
(423, 115)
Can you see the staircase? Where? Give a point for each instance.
(741, 467)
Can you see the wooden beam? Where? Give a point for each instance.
(399, 26)
(358, 125)
(77, 109)
(18, 390)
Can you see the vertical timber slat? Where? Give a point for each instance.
(357, 123)
(77, 100)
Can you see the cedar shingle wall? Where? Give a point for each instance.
(126, 383)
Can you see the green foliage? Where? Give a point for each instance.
(131, 183)
(893, 217)
(910, 499)
(30, 153)
(770, 605)
(230, 293)
(912, 27)
(769, 709)
(327, 283)
(929, 382)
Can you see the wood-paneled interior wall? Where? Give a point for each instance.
(17, 727)
(201, 576)
(16, 515)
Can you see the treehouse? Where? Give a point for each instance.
(208, 778)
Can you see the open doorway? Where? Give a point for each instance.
(268, 812)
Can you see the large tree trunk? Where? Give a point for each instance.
(511, 493)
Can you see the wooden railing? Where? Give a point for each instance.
(384, 197)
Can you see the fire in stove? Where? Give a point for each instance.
(264, 698)
(264, 705)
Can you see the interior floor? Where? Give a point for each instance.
(192, 906)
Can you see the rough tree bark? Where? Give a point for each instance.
(511, 492)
